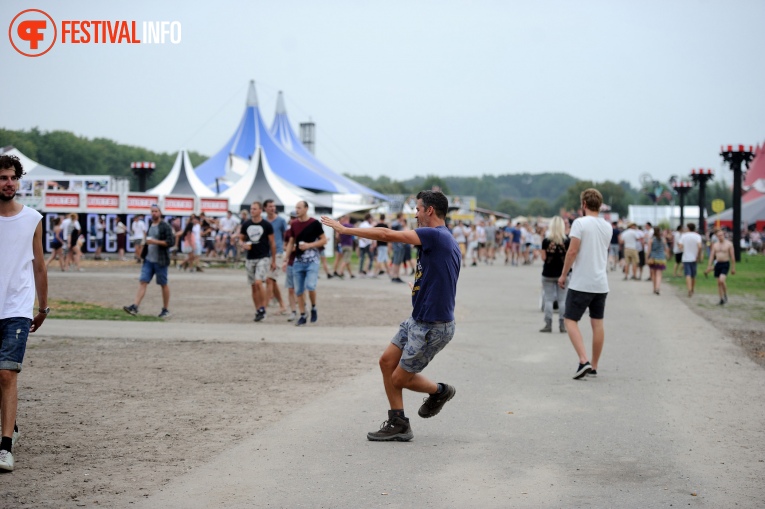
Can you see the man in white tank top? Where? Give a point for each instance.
(22, 275)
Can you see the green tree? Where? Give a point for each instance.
(538, 207)
(509, 207)
(432, 181)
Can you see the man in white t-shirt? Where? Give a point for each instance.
(137, 234)
(629, 240)
(588, 257)
(691, 243)
(460, 236)
(22, 276)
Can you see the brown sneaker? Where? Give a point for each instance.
(435, 402)
(394, 429)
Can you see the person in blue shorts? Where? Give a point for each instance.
(431, 326)
(156, 259)
(23, 276)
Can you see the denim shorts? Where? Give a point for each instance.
(289, 282)
(13, 342)
(689, 269)
(150, 269)
(306, 276)
(420, 342)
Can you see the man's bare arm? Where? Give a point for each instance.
(571, 254)
(381, 234)
(41, 277)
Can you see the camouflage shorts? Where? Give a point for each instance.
(420, 342)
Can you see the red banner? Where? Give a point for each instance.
(213, 205)
(141, 201)
(178, 204)
(103, 201)
(62, 200)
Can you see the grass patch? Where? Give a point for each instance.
(748, 282)
(749, 278)
(68, 310)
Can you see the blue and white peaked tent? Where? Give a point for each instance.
(250, 136)
(283, 133)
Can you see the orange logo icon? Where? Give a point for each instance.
(32, 32)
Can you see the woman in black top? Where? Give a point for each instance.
(554, 248)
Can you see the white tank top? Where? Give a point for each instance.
(17, 281)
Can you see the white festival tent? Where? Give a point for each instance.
(260, 183)
(32, 168)
(182, 180)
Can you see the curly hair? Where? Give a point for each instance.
(8, 162)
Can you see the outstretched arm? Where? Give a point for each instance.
(382, 234)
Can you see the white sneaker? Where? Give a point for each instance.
(6, 461)
(292, 317)
(15, 438)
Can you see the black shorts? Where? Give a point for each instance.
(577, 302)
(641, 258)
(678, 258)
(722, 268)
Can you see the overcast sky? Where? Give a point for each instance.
(598, 89)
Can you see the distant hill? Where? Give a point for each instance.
(65, 151)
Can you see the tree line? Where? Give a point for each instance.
(542, 194)
(65, 151)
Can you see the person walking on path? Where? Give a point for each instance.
(280, 227)
(57, 244)
(257, 234)
(308, 240)
(588, 257)
(137, 234)
(677, 251)
(724, 260)
(431, 325)
(22, 275)
(554, 248)
(657, 258)
(365, 247)
(692, 245)
(459, 232)
(159, 239)
(629, 241)
(398, 249)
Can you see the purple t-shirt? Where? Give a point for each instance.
(435, 282)
(346, 240)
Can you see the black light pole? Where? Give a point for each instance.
(142, 171)
(682, 188)
(701, 177)
(734, 158)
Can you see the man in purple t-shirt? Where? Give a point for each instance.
(433, 292)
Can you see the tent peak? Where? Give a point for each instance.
(252, 95)
(280, 107)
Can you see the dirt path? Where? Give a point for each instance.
(94, 413)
